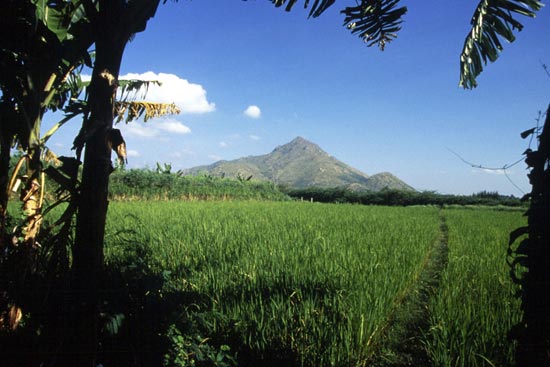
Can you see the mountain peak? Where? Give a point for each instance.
(300, 164)
(299, 140)
(297, 146)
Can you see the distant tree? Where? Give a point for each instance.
(487, 194)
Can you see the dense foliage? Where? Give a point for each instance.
(144, 184)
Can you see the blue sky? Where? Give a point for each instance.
(400, 110)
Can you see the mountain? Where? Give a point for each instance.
(301, 164)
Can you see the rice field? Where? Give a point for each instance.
(475, 308)
(315, 284)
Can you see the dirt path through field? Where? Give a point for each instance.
(401, 342)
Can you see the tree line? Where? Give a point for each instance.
(162, 184)
(146, 184)
(403, 198)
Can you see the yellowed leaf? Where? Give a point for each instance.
(14, 317)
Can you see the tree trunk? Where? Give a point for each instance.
(92, 211)
(116, 21)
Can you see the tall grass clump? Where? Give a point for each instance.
(293, 283)
(475, 307)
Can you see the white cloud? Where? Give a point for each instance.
(172, 126)
(132, 153)
(154, 129)
(182, 153)
(495, 171)
(214, 157)
(139, 130)
(223, 144)
(254, 137)
(189, 97)
(253, 112)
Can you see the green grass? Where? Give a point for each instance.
(475, 307)
(316, 281)
(316, 284)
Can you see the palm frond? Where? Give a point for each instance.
(134, 110)
(492, 20)
(317, 6)
(375, 21)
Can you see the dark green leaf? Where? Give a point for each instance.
(113, 324)
(492, 19)
(376, 21)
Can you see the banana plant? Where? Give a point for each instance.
(63, 171)
(377, 22)
(33, 79)
(43, 44)
(39, 72)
